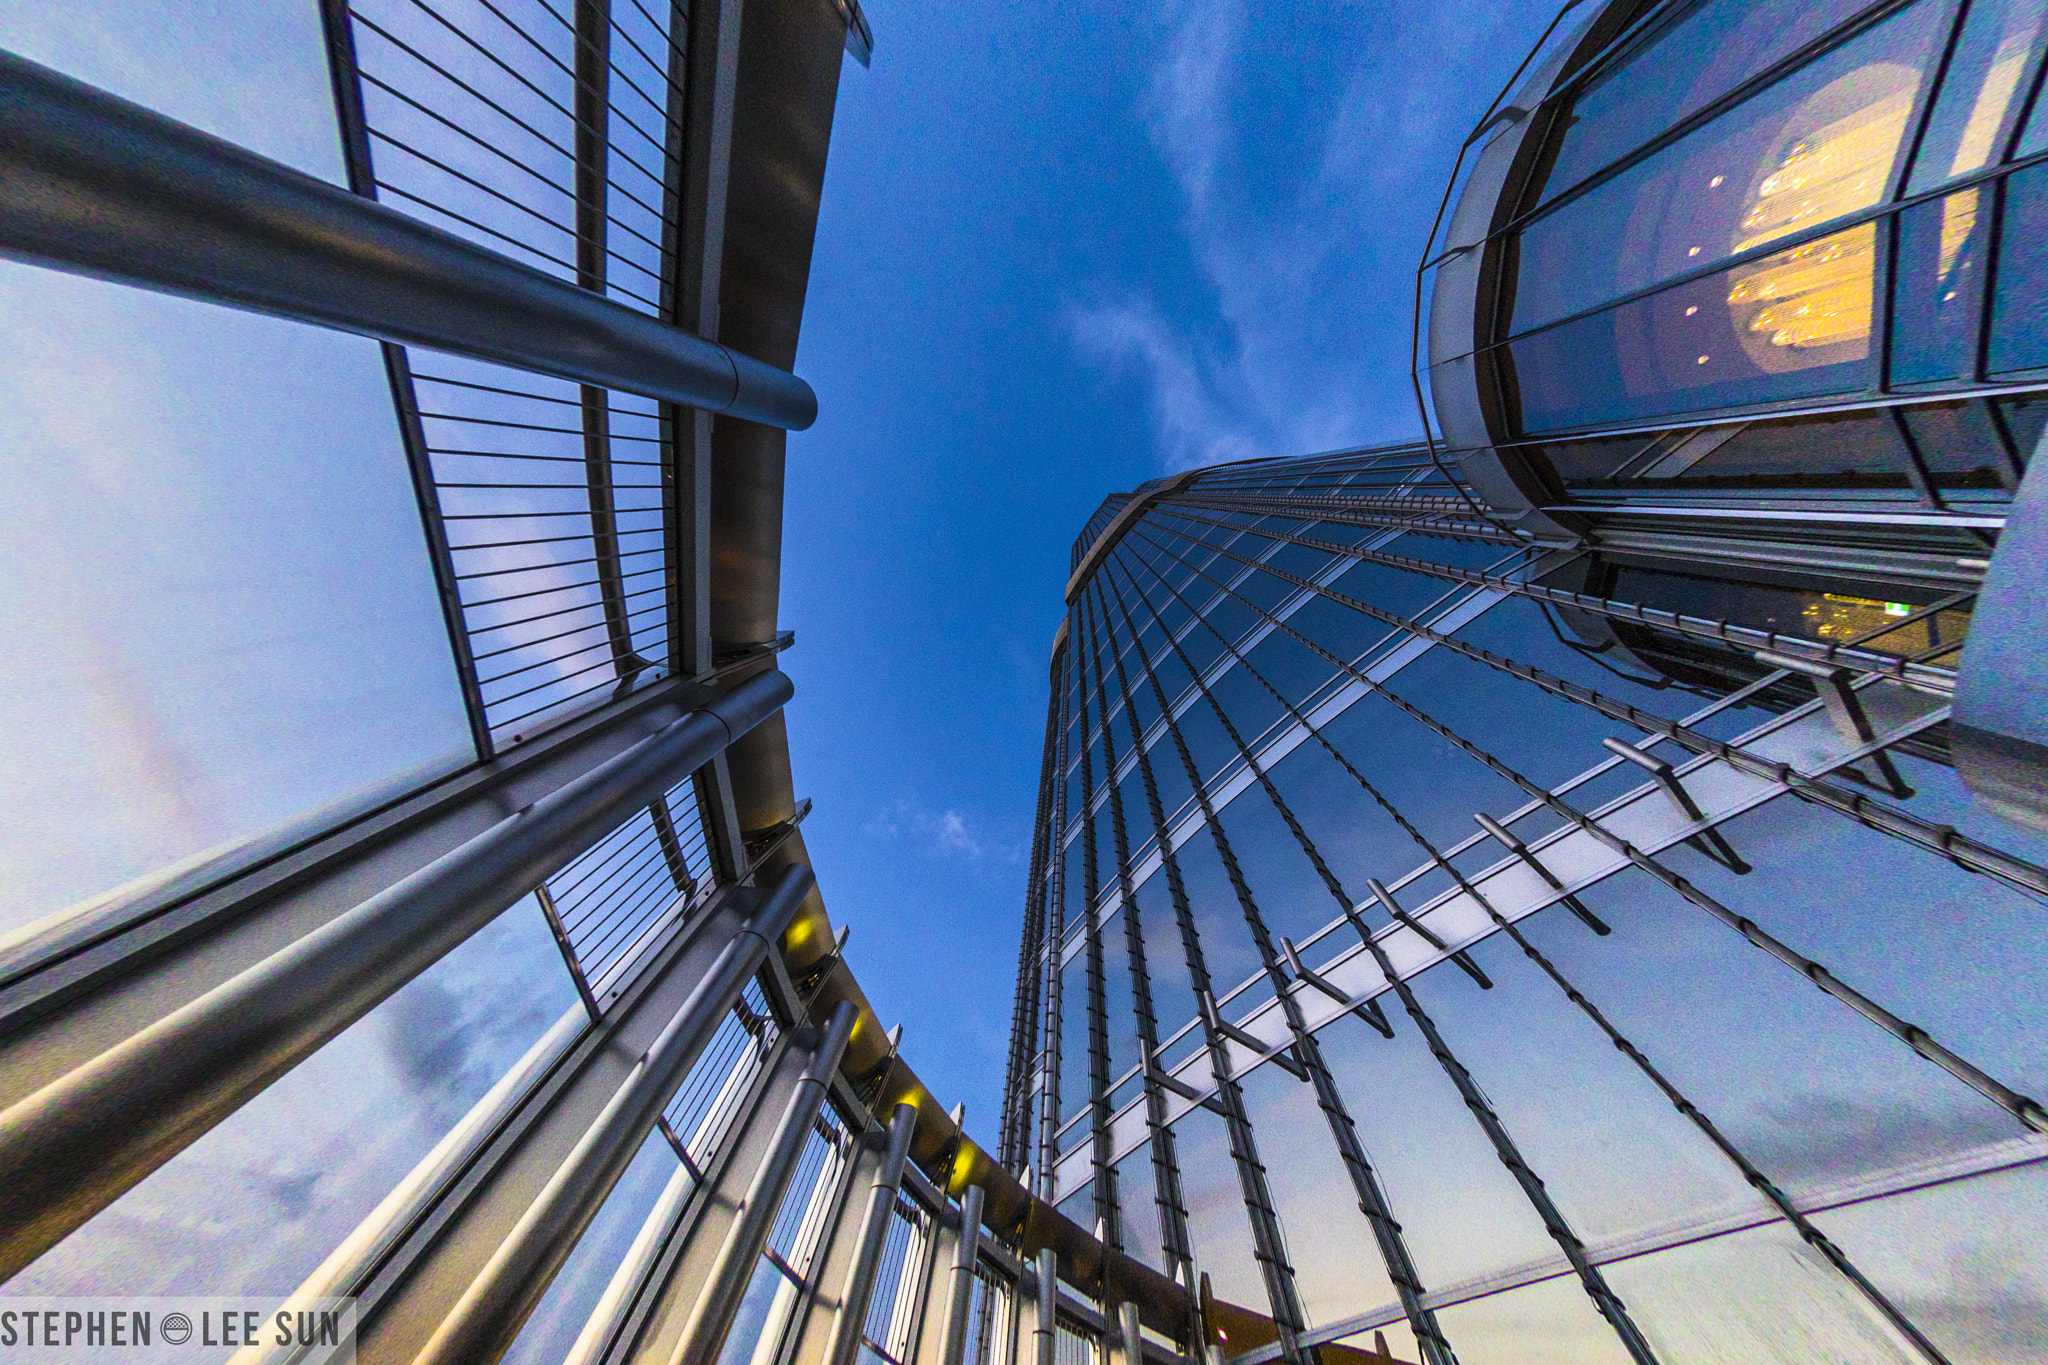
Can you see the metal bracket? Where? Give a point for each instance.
(1845, 709)
(1392, 907)
(1282, 1059)
(1521, 850)
(1166, 1080)
(1708, 842)
(1368, 1009)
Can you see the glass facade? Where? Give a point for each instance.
(1733, 204)
(1404, 962)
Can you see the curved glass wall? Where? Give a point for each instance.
(1746, 204)
(1401, 949)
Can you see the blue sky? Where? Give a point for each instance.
(1065, 249)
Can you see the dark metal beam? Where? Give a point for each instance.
(95, 185)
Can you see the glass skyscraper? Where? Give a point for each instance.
(1518, 896)
(1568, 889)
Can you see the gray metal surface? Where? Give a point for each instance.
(72, 1146)
(483, 1322)
(92, 184)
(2000, 732)
(719, 1292)
(874, 1227)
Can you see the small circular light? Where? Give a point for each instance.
(1693, 251)
(1715, 183)
(1703, 360)
(1690, 311)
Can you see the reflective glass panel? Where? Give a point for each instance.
(1937, 288)
(1815, 146)
(1964, 1259)
(1337, 1264)
(2019, 325)
(213, 530)
(1677, 67)
(1980, 94)
(257, 1203)
(1760, 1295)
(1795, 324)
(1551, 1322)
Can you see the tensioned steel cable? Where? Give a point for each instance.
(2023, 1108)
(1605, 1301)
(1269, 1247)
(1941, 839)
(1749, 1171)
(1165, 1161)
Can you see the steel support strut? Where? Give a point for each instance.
(487, 1317)
(72, 1147)
(94, 185)
(874, 1230)
(719, 1299)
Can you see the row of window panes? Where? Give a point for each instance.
(1799, 324)
(1966, 449)
(1825, 141)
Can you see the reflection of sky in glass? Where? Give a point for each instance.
(188, 485)
(562, 1311)
(254, 1206)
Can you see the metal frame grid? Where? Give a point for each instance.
(611, 907)
(891, 1324)
(697, 1120)
(548, 505)
(1654, 468)
(1255, 546)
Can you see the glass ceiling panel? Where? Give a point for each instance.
(252, 72)
(224, 613)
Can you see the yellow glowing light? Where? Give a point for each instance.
(1988, 112)
(1819, 295)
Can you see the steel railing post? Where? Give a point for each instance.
(960, 1292)
(874, 1230)
(72, 1147)
(719, 1299)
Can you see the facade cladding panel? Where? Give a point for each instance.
(1519, 896)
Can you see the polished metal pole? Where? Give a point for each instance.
(488, 1315)
(74, 1146)
(874, 1230)
(1045, 1335)
(960, 1293)
(726, 1282)
(1134, 1339)
(95, 185)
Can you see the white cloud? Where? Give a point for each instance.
(1304, 346)
(944, 834)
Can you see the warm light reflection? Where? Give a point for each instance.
(1837, 156)
(2001, 81)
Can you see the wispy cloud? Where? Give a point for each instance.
(948, 835)
(1299, 340)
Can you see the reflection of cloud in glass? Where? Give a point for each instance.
(256, 1204)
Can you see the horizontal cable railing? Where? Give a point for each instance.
(556, 537)
(612, 905)
(701, 1114)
